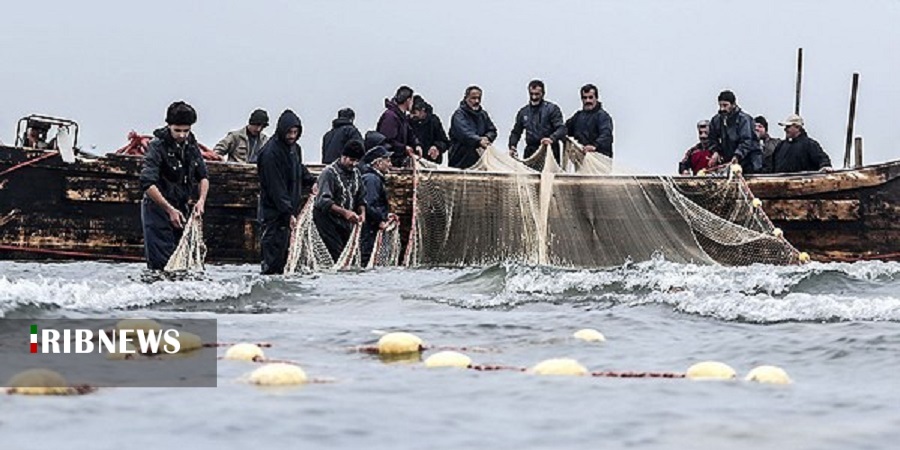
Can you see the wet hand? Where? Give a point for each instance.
(433, 152)
(485, 142)
(351, 217)
(293, 222)
(546, 141)
(200, 208)
(590, 148)
(176, 218)
(513, 153)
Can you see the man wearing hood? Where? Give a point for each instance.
(340, 203)
(243, 145)
(394, 125)
(592, 126)
(282, 177)
(342, 131)
(471, 130)
(375, 164)
(542, 122)
(732, 137)
(173, 169)
(429, 130)
(373, 139)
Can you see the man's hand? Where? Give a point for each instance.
(826, 169)
(714, 159)
(200, 208)
(735, 160)
(293, 221)
(351, 216)
(590, 148)
(383, 225)
(393, 217)
(485, 142)
(513, 152)
(433, 152)
(176, 218)
(546, 141)
(315, 189)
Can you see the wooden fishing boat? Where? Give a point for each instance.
(89, 209)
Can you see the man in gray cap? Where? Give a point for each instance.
(798, 152)
(243, 145)
(342, 131)
(375, 164)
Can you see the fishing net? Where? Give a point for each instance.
(386, 251)
(190, 253)
(307, 251)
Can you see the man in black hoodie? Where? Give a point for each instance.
(282, 177)
(429, 130)
(341, 202)
(592, 127)
(342, 131)
(542, 122)
(172, 170)
(471, 130)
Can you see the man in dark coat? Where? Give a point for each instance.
(767, 143)
(373, 139)
(394, 125)
(731, 136)
(378, 212)
(798, 152)
(542, 122)
(592, 127)
(471, 130)
(429, 130)
(342, 131)
(282, 177)
(173, 169)
(340, 203)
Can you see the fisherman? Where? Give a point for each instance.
(471, 130)
(768, 143)
(282, 177)
(375, 164)
(394, 125)
(798, 152)
(592, 126)
(243, 145)
(373, 139)
(36, 136)
(429, 130)
(342, 131)
(172, 170)
(340, 203)
(542, 122)
(731, 136)
(697, 157)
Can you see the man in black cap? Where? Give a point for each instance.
(375, 164)
(731, 136)
(342, 131)
(766, 142)
(592, 126)
(542, 122)
(340, 203)
(243, 145)
(172, 170)
(282, 178)
(429, 130)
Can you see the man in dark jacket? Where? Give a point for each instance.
(374, 139)
(731, 136)
(798, 152)
(394, 125)
(282, 177)
(378, 212)
(767, 143)
(592, 127)
(471, 130)
(342, 131)
(429, 130)
(542, 122)
(340, 203)
(172, 170)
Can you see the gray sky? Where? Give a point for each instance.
(114, 66)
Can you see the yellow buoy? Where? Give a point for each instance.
(398, 343)
(711, 370)
(559, 366)
(589, 335)
(39, 382)
(278, 374)
(756, 203)
(138, 324)
(244, 352)
(804, 257)
(448, 359)
(777, 232)
(769, 374)
(188, 341)
(737, 169)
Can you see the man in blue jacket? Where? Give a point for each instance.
(471, 130)
(375, 164)
(172, 170)
(542, 122)
(732, 137)
(591, 126)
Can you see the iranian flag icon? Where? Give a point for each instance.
(34, 337)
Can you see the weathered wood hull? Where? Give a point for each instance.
(90, 209)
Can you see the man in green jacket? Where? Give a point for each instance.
(243, 145)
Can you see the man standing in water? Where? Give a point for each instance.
(341, 202)
(592, 126)
(731, 136)
(471, 130)
(542, 122)
(172, 169)
(282, 176)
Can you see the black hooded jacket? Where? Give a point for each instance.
(174, 169)
(430, 132)
(593, 127)
(799, 155)
(377, 208)
(342, 131)
(282, 175)
(467, 127)
(732, 135)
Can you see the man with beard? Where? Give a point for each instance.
(798, 152)
(592, 127)
(766, 142)
(731, 136)
(340, 203)
(394, 125)
(542, 122)
(375, 164)
(342, 131)
(697, 157)
(243, 145)
(172, 170)
(429, 130)
(282, 177)
(471, 130)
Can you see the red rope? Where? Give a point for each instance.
(611, 374)
(16, 248)
(28, 163)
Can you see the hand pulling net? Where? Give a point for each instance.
(191, 250)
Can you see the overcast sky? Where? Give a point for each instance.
(114, 66)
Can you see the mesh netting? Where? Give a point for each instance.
(190, 253)
(307, 251)
(386, 251)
